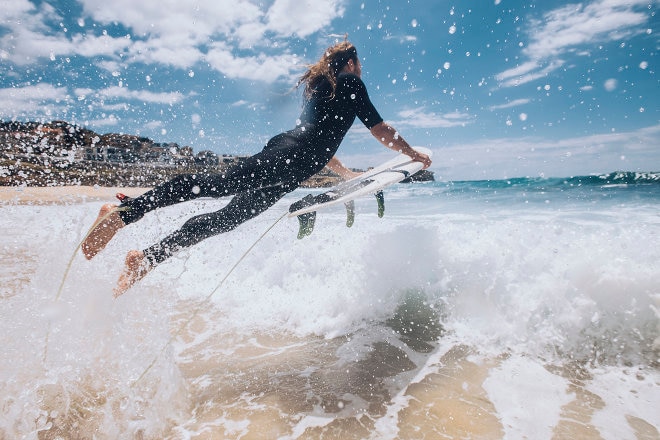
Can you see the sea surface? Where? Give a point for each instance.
(513, 309)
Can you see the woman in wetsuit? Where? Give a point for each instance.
(334, 96)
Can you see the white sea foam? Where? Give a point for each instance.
(545, 283)
(512, 388)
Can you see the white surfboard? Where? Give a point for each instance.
(368, 183)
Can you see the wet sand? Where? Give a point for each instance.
(32, 195)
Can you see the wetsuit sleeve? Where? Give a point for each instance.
(364, 109)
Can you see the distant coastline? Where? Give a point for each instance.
(58, 153)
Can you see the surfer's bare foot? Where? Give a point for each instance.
(105, 227)
(136, 268)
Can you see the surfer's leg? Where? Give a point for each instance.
(181, 188)
(241, 208)
(111, 217)
(261, 170)
(105, 227)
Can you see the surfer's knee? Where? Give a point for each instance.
(214, 223)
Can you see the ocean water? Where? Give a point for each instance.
(526, 308)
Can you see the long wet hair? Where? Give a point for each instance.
(328, 67)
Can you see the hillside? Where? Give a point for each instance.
(62, 154)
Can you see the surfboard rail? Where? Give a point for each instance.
(371, 182)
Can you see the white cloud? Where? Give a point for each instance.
(181, 34)
(31, 37)
(498, 158)
(302, 17)
(174, 19)
(116, 92)
(40, 99)
(157, 51)
(401, 38)
(108, 121)
(257, 67)
(250, 35)
(527, 72)
(240, 38)
(16, 8)
(153, 124)
(577, 24)
(567, 29)
(418, 118)
(508, 157)
(514, 103)
(91, 46)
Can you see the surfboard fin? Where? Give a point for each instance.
(306, 220)
(306, 224)
(380, 198)
(350, 213)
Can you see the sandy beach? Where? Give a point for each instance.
(30, 195)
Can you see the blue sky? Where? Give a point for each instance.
(496, 88)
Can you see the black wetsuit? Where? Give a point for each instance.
(259, 182)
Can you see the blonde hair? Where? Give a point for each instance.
(333, 60)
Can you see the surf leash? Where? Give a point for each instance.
(205, 300)
(75, 251)
(68, 269)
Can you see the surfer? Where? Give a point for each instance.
(334, 95)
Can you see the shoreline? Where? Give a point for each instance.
(45, 195)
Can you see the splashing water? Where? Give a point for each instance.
(439, 320)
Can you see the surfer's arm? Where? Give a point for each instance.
(338, 168)
(388, 136)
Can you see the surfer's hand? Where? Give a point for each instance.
(338, 168)
(421, 157)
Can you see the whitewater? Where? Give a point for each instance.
(522, 308)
